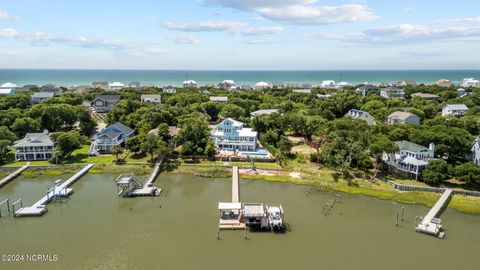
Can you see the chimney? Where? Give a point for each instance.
(45, 131)
(28, 138)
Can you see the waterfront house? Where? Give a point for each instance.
(444, 83)
(328, 84)
(227, 84)
(189, 83)
(51, 88)
(246, 87)
(278, 85)
(411, 158)
(151, 98)
(461, 92)
(262, 112)
(134, 85)
(114, 135)
(8, 89)
(41, 96)
(115, 86)
(454, 109)
(392, 92)
(169, 89)
(426, 96)
(100, 85)
(411, 83)
(28, 88)
(231, 135)
(474, 155)
(341, 85)
(361, 115)
(261, 86)
(468, 82)
(302, 91)
(80, 89)
(364, 90)
(403, 118)
(219, 99)
(104, 103)
(34, 146)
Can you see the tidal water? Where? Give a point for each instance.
(176, 77)
(95, 229)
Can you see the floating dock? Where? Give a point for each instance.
(430, 224)
(12, 176)
(59, 190)
(130, 186)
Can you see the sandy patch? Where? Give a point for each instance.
(294, 174)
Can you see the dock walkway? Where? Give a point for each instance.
(129, 186)
(235, 189)
(40, 207)
(429, 224)
(11, 176)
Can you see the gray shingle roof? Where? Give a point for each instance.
(409, 146)
(108, 97)
(34, 139)
(43, 95)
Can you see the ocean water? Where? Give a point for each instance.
(176, 77)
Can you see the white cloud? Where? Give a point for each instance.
(185, 39)
(460, 20)
(4, 15)
(159, 51)
(409, 8)
(407, 33)
(232, 27)
(301, 11)
(9, 33)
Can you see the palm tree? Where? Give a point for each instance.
(117, 151)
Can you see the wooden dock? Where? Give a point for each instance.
(430, 224)
(40, 207)
(130, 186)
(235, 186)
(12, 176)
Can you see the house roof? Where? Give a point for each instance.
(114, 130)
(108, 97)
(409, 146)
(456, 106)
(122, 127)
(424, 95)
(116, 84)
(150, 96)
(6, 91)
(401, 115)
(100, 83)
(43, 95)
(34, 139)
(8, 85)
(260, 112)
(215, 98)
(362, 115)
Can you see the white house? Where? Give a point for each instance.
(189, 83)
(151, 98)
(403, 118)
(411, 159)
(342, 84)
(361, 115)
(392, 92)
(474, 155)
(262, 112)
(219, 99)
(228, 84)
(115, 86)
(262, 86)
(303, 91)
(34, 146)
(231, 135)
(8, 89)
(169, 89)
(454, 109)
(328, 84)
(111, 136)
(365, 89)
(467, 82)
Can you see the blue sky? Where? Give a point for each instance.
(240, 34)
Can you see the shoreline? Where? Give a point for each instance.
(379, 189)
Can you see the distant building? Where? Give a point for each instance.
(302, 91)
(411, 159)
(262, 86)
(219, 99)
(299, 85)
(100, 85)
(426, 96)
(262, 112)
(115, 86)
(51, 88)
(411, 83)
(227, 84)
(454, 109)
(474, 155)
(392, 92)
(444, 83)
(341, 85)
(114, 135)
(8, 89)
(80, 89)
(34, 146)
(403, 118)
(41, 96)
(328, 84)
(278, 85)
(361, 115)
(104, 103)
(470, 82)
(366, 89)
(461, 92)
(189, 83)
(134, 85)
(231, 135)
(169, 89)
(151, 98)
(246, 87)
(325, 96)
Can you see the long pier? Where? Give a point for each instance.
(430, 224)
(40, 207)
(12, 176)
(235, 186)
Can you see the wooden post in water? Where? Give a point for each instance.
(403, 210)
(396, 220)
(218, 234)
(246, 238)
